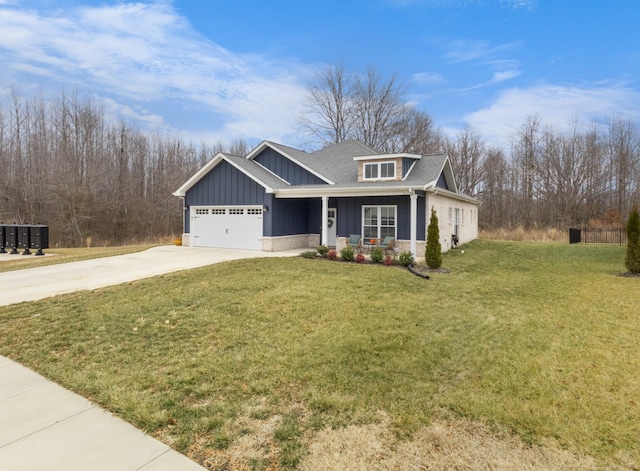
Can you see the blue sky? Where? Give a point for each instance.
(218, 70)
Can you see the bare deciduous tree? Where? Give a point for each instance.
(366, 107)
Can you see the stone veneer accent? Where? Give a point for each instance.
(300, 241)
(277, 244)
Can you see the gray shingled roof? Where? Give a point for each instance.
(336, 163)
(258, 171)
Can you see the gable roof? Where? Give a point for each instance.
(268, 180)
(336, 166)
(296, 156)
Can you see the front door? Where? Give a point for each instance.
(332, 222)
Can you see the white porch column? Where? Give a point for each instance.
(325, 220)
(414, 221)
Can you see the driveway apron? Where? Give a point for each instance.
(44, 426)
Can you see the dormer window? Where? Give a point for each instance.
(380, 171)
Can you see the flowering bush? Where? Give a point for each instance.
(332, 255)
(360, 258)
(388, 260)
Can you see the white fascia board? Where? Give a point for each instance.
(268, 144)
(413, 164)
(257, 150)
(182, 191)
(266, 187)
(388, 156)
(338, 192)
(455, 196)
(195, 178)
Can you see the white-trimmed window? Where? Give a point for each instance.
(379, 170)
(378, 222)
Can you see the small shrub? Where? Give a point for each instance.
(309, 254)
(360, 258)
(406, 258)
(388, 260)
(347, 254)
(323, 250)
(332, 254)
(377, 254)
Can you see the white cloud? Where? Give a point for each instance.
(556, 105)
(477, 50)
(426, 79)
(147, 53)
(527, 5)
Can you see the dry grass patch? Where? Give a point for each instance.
(520, 234)
(444, 445)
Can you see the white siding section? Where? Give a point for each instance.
(446, 210)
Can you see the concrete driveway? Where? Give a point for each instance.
(42, 282)
(44, 426)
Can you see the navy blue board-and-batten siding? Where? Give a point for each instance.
(225, 185)
(350, 214)
(289, 171)
(406, 166)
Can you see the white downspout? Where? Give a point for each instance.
(325, 221)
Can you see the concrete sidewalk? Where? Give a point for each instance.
(44, 426)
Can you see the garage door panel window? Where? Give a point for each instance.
(379, 222)
(236, 211)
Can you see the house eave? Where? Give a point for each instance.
(388, 156)
(457, 196)
(325, 190)
(182, 191)
(268, 144)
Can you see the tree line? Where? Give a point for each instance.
(93, 178)
(548, 177)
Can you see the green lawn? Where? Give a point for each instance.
(541, 340)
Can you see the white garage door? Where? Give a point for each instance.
(230, 227)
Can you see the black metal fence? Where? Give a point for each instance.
(601, 235)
